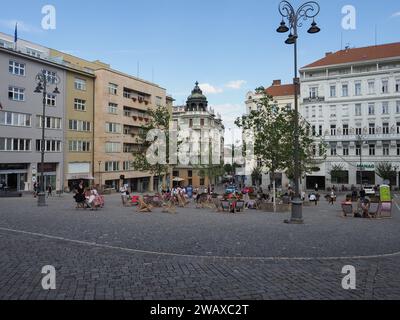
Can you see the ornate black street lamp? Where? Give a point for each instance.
(294, 20)
(44, 80)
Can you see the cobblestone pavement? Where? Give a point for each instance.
(116, 253)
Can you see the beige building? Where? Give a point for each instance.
(79, 124)
(121, 102)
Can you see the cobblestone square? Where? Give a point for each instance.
(116, 253)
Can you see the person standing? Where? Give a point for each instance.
(332, 198)
(49, 191)
(316, 187)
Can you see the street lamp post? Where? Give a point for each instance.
(43, 81)
(100, 182)
(361, 166)
(295, 19)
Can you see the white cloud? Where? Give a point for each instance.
(209, 89)
(229, 113)
(22, 26)
(236, 84)
(396, 14)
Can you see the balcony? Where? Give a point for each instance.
(365, 137)
(313, 99)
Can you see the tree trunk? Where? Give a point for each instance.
(274, 191)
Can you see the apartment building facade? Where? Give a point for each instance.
(196, 115)
(21, 117)
(121, 104)
(351, 98)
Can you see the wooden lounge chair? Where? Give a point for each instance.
(217, 204)
(239, 206)
(143, 207)
(226, 206)
(373, 210)
(347, 209)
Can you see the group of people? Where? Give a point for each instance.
(87, 198)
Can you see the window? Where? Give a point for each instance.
(51, 100)
(358, 150)
(357, 89)
(386, 149)
(113, 147)
(385, 128)
(16, 94)
(345, 129)
(314, 150)
(80, 84)
(16, 68)
(398, 127)
(159, 102)
(112, 89)
(80, 105)
(113, 127)
(358, 131)
(190, 123)
(321, 115)
(371, 87)
(127, 166)
(202, 122)
(6, 44)
(345, 150)
(385, 86)
(320, 131)
(371, 109)
(15, 119)
(49, 146)
(333, 130)
(307, 112)
(112, 108)
(14, 144)
(372, 128)
(333, 91)
(33, 52)
(111, 166)
(79, 146)
(385, 107)
(51, 76)
(371, 149)
(313, 92)
(314, 133)
(50, 122)
(397, 106)
(79, 125)
(358, 111)
(397, 86)
(398, 149)
(345, 90)
(333, 150)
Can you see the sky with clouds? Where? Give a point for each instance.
(229, 46)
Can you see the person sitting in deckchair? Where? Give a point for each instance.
(142, 206)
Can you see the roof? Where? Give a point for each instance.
(371, 53)
(281, 90)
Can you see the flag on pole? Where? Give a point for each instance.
(16, 35)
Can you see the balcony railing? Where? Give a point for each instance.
(313, 99)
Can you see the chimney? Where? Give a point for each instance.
(328, 53)
(276, 82)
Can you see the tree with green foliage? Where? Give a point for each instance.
(274, 137)
(386, 170)
(159, 118)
